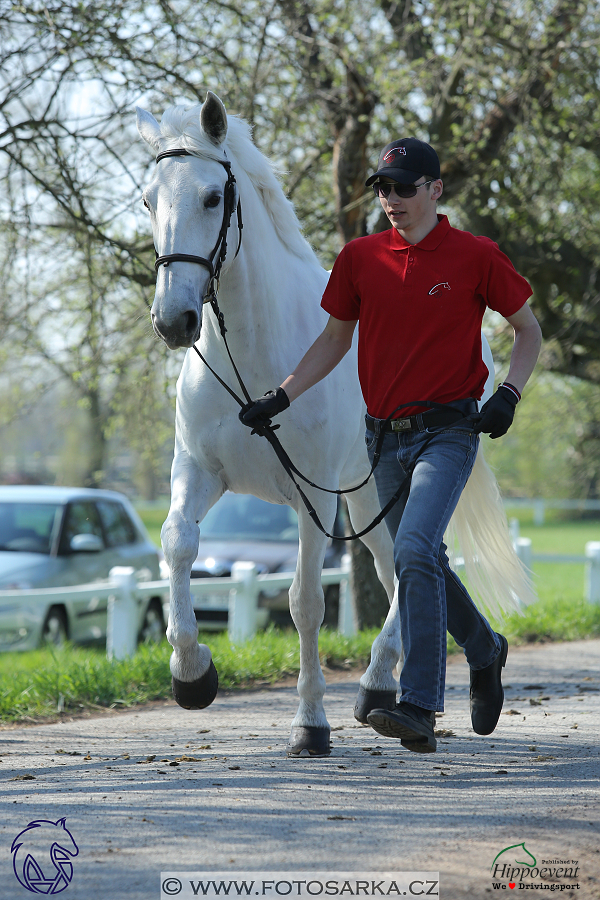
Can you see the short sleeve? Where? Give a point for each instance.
(502, 288)
(341, 299)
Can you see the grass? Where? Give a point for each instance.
(49, 681)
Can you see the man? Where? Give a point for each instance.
(420, 291)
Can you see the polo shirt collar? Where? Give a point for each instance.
(431, 241)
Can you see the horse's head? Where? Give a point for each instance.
(190, 200)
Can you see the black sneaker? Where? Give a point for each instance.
(487, 693)
(412, 724)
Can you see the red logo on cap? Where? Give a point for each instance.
(390, 153)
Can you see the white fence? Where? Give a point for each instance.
(591, 560)
(240, 595)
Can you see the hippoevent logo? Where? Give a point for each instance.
(516, 868)
(42, 855)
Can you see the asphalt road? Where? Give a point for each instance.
(163, 789)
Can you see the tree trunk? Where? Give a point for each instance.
(95, 473)
(371, 604)
(350, 165)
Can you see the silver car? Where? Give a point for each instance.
(58, 537)
(243, 527)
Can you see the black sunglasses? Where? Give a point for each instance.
(383, 189)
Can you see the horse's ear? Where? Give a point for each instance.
(149, 128)
(213, 118)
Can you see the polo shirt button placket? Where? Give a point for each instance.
(411, 259)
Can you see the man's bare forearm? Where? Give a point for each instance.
(327, 351)
(526, 348)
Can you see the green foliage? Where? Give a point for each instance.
(507, 92)
(552, 450)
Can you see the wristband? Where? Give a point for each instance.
(512, 388)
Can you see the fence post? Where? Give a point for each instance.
(122, 618)
(539, 509)
(513, 527)
(524, 551)
(346, 616)
(243, 603)
(592, 572)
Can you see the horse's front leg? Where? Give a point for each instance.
(193, 492)
(310, 728)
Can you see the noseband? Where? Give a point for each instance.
(219, 251)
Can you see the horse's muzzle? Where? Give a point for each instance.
(183, 331)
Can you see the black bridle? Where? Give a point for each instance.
(266, 429)
(220, 249)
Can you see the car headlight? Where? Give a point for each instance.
(216, 567)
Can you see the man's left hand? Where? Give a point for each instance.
(497, 414)
(263, 409)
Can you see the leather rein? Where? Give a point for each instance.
(266, 429)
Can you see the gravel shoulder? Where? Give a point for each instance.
(159, 788)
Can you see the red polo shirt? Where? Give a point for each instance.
(420, 308)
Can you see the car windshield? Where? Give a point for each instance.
(27, 527)
(241, 517)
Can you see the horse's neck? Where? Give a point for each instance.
(271, 314)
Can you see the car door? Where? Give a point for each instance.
(88, 617)
(126, 546)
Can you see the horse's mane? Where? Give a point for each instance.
(183, 124)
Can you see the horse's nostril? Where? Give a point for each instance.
(191, 322)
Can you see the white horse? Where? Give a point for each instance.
(270, 295)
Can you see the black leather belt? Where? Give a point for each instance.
(432, 418)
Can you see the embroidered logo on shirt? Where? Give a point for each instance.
(441, 284)
(391, 154)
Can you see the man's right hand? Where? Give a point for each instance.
(257, 413)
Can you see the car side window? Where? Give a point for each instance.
(82, 518)
(118, 527)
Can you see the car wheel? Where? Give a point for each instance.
(153, 626)
(54, 629)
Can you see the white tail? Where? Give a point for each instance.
(497, 579)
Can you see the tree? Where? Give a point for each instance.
(508, 93)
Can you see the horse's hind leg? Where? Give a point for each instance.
(378, 686)
(193, 492)
(310, 729)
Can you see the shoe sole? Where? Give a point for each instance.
(412, 740)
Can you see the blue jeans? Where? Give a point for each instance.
(431, 598)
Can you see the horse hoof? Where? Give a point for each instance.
(308, 740)
(367, 701)
(197, 694)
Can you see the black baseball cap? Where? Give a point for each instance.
(405, 160)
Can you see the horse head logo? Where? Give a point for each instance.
(393, 153)
(42, 855)
(512, 852)
(439, 286)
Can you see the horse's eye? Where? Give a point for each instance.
(145, 202)
(212, 201)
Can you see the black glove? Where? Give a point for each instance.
(264, 408)
(497, 414)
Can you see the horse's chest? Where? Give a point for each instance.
(241, 459)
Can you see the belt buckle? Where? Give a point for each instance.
(401, 425)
